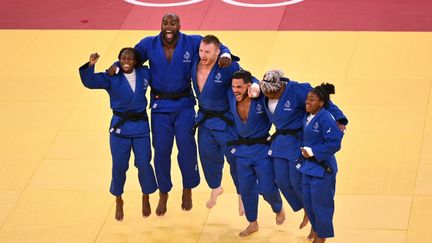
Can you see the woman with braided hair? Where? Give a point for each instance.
(321, 140)
(285, 107)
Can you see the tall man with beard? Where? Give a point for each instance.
(214, 121)
(171, 55)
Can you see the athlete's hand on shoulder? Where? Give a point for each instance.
(342, 127)
(94, 57)
(224, 62)
(254, 90)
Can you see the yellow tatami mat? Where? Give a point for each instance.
(55, 163)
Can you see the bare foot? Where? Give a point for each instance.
(187, 199)
(280, 217)
(318, 240)
(311, 235)
(213, 197)
(305, 221)
(119, 209)
(146, 210)
(161, 207)
(241, 207)
(252, 227)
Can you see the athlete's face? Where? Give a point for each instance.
(208, 53)
(240, 89)
(127, 61)
(170, 28)
(313, 103)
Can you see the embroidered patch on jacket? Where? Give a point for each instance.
(315, 127)
(186, 57)
(259, 109)
(217, 78)
(287, 106)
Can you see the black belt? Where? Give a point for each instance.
(212, 114)
(324, 165)
(128, 116)
(249, 141)
(172, 96)
(292, 132)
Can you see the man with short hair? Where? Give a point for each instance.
(254, 166)
(214, 121)
(171, 54)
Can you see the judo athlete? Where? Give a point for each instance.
(254, 166)
(129, 127)
(214, 121)
(285, 107)
(171, 55)
(321, 140)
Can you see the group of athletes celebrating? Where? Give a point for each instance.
(235, 114)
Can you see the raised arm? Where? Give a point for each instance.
(89, 78)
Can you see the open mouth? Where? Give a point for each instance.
(169, 34)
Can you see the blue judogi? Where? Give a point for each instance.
(214, 133)
(254, 166)
(173, 117)
(285, 149)
(130, 135)
(324, 138)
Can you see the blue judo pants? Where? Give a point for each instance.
(318, 196)
(164, 127)
(255, 177)
(212, 148)
(289, 180)
(120, 151)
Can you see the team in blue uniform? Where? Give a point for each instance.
(321, 140)
(171, 55)
(254, 166)
(129, 127)
(175, 59)
(214, 121)
(285, 106)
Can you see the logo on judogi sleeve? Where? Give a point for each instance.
(186, 57)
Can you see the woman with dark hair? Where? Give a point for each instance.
(321, 140)
(285, 107)
(129, 128)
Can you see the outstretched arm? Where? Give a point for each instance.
(89, 78)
